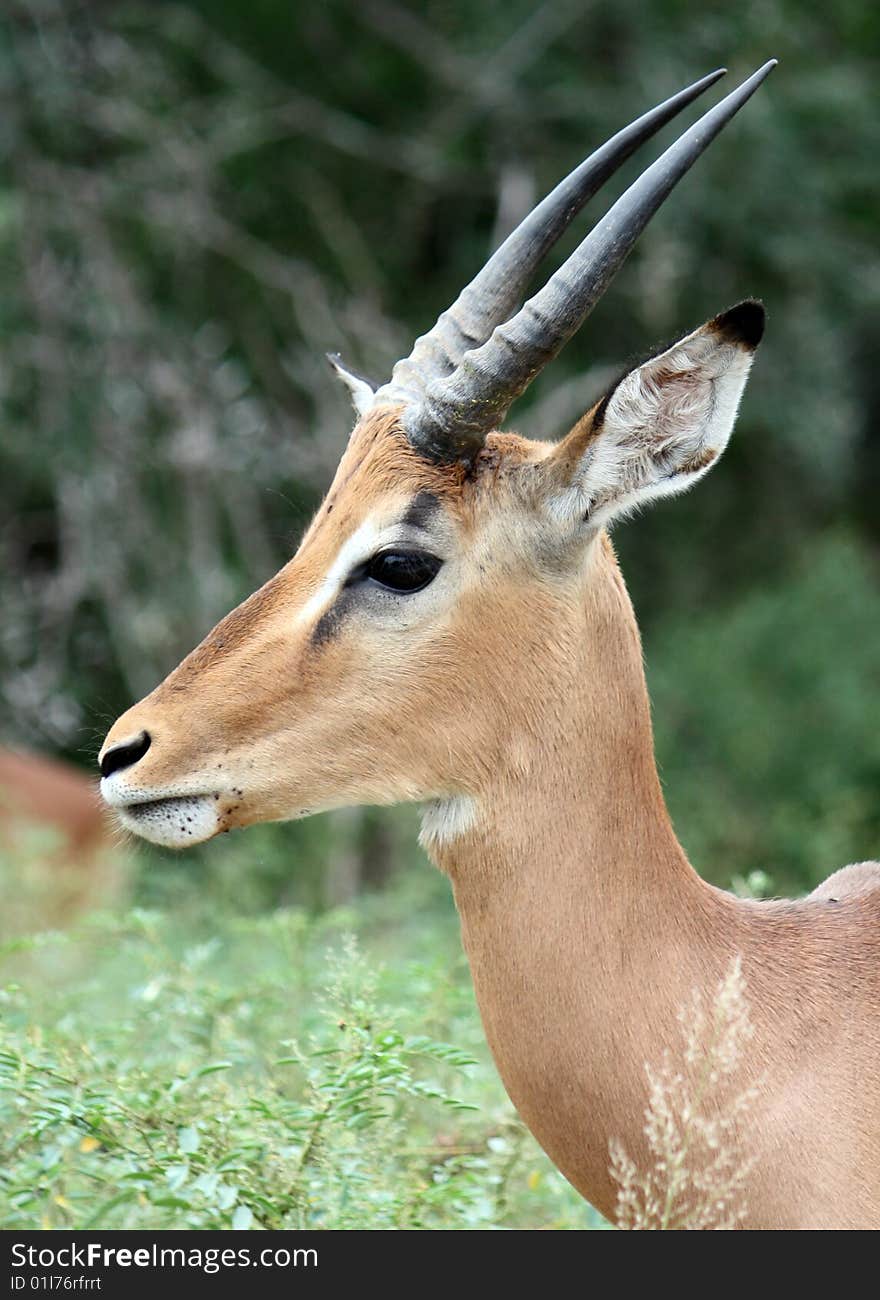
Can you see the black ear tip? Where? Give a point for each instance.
(743, 323)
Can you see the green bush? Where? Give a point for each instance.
(227, 1073)
(766, 735)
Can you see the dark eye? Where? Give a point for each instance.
(403, 570)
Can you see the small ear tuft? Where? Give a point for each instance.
(743, 323)
(361, 389)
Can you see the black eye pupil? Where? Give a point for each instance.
(403, 570)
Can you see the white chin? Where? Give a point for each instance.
(172, 823)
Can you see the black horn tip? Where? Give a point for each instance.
(743, 323)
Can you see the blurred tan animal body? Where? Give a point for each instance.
(454, 629)
(44, 796)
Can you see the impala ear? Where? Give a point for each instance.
(660, 428)
(360, 389)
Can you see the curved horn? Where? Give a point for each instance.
(498, 289)
(456, 412)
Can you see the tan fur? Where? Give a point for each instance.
(516, 681)
(39, 792)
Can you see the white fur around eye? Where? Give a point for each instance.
(363, 543)
(361, 546)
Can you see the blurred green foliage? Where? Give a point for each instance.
(200, 198)
(229, 1073)
(767, 739)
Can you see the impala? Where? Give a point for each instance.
(79, 867)
(454, 629)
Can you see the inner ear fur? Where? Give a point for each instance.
(740, 327)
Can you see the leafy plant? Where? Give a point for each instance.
(264, 1075)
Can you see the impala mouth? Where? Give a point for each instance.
(174, 822)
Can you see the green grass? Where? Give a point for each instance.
(198, 1070)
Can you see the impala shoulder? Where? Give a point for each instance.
(859, 880)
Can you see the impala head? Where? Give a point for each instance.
(423, 615)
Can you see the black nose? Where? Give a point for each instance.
(125, 755)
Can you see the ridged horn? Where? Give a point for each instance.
(449, 422)
(499, 288)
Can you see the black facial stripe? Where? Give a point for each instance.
(330, 622)
(420, 511)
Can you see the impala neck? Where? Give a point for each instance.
(585, 926)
